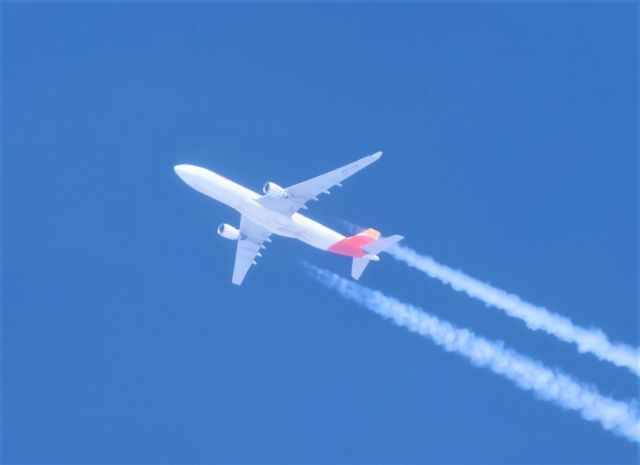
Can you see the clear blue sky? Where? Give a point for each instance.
(510, 144)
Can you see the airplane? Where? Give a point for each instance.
(276, 212)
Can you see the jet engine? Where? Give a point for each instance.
(273, 190)
(229, 232)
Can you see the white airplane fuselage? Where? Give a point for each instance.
(244, 200)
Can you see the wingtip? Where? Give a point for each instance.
(397, 238)
(377, 155)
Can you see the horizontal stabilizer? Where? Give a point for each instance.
(358, 266)
(382, 244)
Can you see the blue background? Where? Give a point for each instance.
(510, 139)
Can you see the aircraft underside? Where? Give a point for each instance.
(276, 212)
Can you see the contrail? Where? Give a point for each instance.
(621, 418)
(589, 340)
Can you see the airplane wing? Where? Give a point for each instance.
(300, 194)
(253, 236)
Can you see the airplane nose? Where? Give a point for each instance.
(183, 171)
(190, 174)
(180, 169)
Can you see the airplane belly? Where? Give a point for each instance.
(313, 233)
(223, 190)
(296, 226)
(270, 220)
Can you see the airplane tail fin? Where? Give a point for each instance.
(360, 263)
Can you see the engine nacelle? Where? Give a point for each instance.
(229, 232)
(273, 190)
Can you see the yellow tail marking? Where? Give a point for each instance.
(371, 233)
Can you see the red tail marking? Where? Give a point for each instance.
(353, 246)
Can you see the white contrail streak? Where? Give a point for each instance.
(619, 417)
(589, 340)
